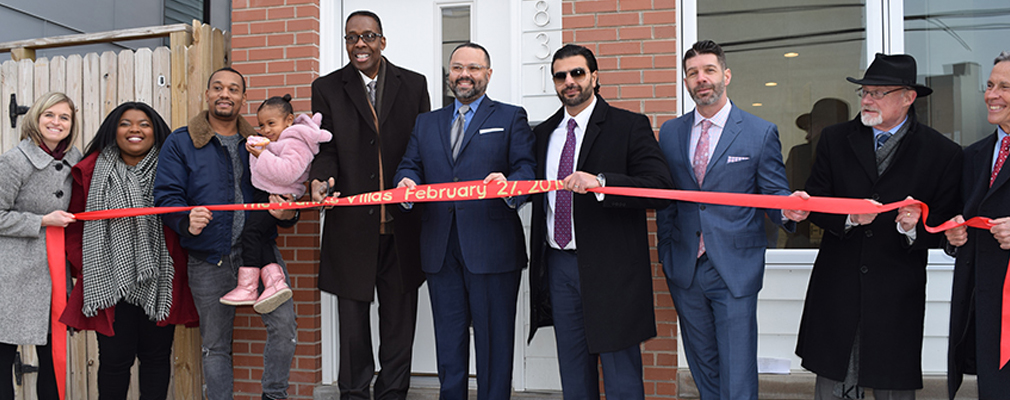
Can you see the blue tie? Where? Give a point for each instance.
(882, 138)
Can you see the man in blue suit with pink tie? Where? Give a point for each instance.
(713, 255)
(472, 252)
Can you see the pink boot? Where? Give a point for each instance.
(245, 292)
(275, 291)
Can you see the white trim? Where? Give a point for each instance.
(331, 44)
(331, 57)
(687, 34)
(874, 30)
(895, 25)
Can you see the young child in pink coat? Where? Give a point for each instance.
(279, 162)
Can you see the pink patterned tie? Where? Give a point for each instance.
(563, 198)
(1004, 151)
(700, 164)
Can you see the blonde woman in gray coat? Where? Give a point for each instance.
(34, 193)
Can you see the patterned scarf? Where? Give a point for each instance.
(125, 258)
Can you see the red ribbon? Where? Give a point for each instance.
(58, 273)
(477, 190)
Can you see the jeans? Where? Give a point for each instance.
(208, 283)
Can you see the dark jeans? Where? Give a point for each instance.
(137, 337)
(46, 384)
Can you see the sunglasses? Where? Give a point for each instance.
(576, 74)
(369, 37)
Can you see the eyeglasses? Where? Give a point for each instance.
(876, 94)
(369, 37)
(473, 69)
(576, 74)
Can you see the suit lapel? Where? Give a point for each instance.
(444, 119)
(986, 169)
(686, 141)
(726, 139)
(392, 86)
(483, 111)
(861, 142)
(355, 90)
(592, 131)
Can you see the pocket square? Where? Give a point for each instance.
(733, 159)
(490, 130)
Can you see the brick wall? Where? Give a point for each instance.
(635, 47)
(275, 44)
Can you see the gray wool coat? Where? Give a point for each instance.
(32, 184)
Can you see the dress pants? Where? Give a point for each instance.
(397, 318)
(460, 299)
(137, 337)
(622, 369)
(719, 333)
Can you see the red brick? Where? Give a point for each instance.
(666, 387)
(620, 19)
(660, 119)
(265, 3)
(281, 13)
(664, 32)
(567, 36)
(605, 63)
(578, 21)
(664, 4)
(293, 2)
(266, 27)
(595, 35)
(264, 81)
(239, 4)
(659, 76)
(669, 91)
(303, 24)
(665, 61)
(239, 29)
(630, 105)
(619, 48)
(609, 92)
(310, 10)
(248, 15)
(636, 91)
(658, 373)
(566, 8)
(636, 32)
(667, 359)
(659, 17)
(307, 38)
(281, 39)
(620, 77)
(636, 62)
(251, 68)
(627, 5)
(660, 105)
(248, 41)
(659, 47)
(587, 7)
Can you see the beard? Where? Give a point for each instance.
(871, 121)
(585, 93)
(477, 88)
(718, 89)
(225, 115)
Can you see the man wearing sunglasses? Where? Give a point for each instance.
(590, 273)
(863, 316)
(370, 106)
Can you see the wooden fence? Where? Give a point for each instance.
(172, 80)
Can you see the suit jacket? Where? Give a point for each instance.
(616, 275)
(747, 159)
(978, 278)
(348, 253)
(869, 277)
(498, 139)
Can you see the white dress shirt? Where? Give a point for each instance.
(555, 144)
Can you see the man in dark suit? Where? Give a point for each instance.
(713, 256)
(981, 270)
(370, 106)
(472, 251)
(863, 316)
(599, 294)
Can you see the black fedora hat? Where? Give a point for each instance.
(893, 70)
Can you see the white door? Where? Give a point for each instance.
(420, 34)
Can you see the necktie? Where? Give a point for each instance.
(458, 129)
(881, 139)
(1004, 335)
(1004, 150)
(563, 198)
(371, 92)
(700, 164)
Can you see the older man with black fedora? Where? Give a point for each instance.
(863, 316)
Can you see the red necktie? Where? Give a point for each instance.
(700, 164)
(1004, 334)
(563, 198)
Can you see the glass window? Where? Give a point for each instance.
(455, 31)
(954, 44)
(789, 60)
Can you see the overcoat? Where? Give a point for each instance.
(349, 252)
(32, 184)
(869, 279)
(979, 273)
(612, 235)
